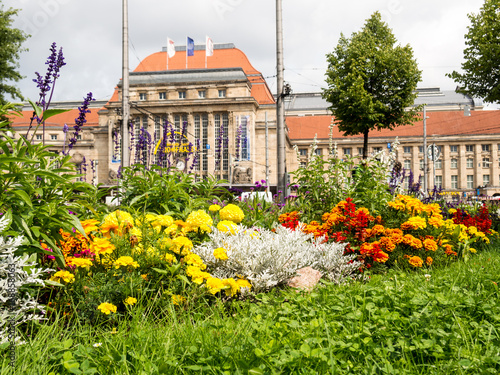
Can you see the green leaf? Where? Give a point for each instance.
(23, 196)
(258, 352)
(52, 112)
(52, 283)
(67, 344)
(37, 109)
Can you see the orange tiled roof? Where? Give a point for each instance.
(445, 123)
(58, 120)
(222, 58)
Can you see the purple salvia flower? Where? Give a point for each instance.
(80, 120)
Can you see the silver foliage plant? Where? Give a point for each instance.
(24, 275)
(268, 258)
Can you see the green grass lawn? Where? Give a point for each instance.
(446, 322)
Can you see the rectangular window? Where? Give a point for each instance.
(242, 140)
(407, 149)
(406, 182)
(347, 151)
(222, 93)
(470, 163)
(303, 164)
(38, 137)
(53, 137)
(486, 162)
(454, 182)
(407, 164)
(421, 149)
(303, 151)
(182, 94)
(453, 148)
(470, 181)
(202, 94)
(438, 164)
(469, 148)
(421, 164)
(485, 148)
(221, 122)
(377, 149)
(79, 137)
(454, 163)
(439, 182)
(162, 95)
(360, 150)
(486, 179)
(201, 140)
(142, 96)
(318, 151)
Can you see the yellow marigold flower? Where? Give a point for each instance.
(415, 222)
(130, 301)
(451, 211)
(178, 299)
(214, 208)
(181, 245)
(220, 253)
(200, 220)
(170, 258)
(125, 261)
(150, 250)
(145, 277)
(472, 250)
(137, 232)
(164, 243)
(232, 213)
(226, 226)
(436, 221)
(428, 261)
(171, 229)
(416, 261)
(90, 225)
(430, 244)
(107, 308)
(163, 220)
(80, 262)
(66, 276)
(117, 222)
(101, 246)
(214, 285)
(196, 275)
(194, 260)
(232, 287)
(242, 283)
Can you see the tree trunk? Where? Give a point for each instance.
(365, 144)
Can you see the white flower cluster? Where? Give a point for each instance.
(268, 258)
(13, 273)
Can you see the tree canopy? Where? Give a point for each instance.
(11, 40)
(371, 81)
(481, 69)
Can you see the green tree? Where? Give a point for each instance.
(371, 82)
(11, 40)
(481, 77)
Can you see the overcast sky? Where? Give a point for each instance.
(90, 34)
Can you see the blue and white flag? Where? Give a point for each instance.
(190, 46)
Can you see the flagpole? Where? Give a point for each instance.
(187, 46)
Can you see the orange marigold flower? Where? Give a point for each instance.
(416, 261)
(387, 243)
(428, 261)
(430, 244)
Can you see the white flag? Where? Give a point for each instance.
(209, 49)
(170, 48)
